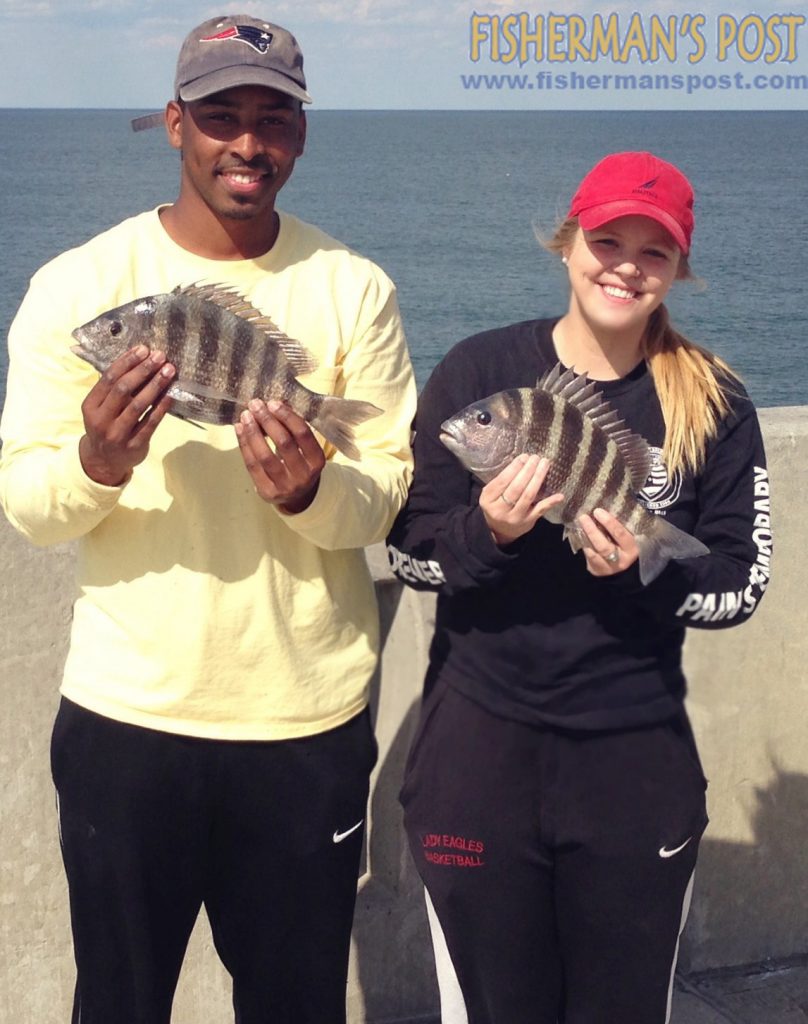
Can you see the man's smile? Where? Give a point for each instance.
(243, 179)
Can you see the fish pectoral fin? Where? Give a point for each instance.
(182, 395)
(193, 401)
(192, 391)
(188, 415)
(575, 535)
(220, 413)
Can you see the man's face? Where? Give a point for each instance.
(238, 148)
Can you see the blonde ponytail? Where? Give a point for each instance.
(691, 384)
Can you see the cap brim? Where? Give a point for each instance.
(597, 216)
(140, 124)
(226, 78)
(242, 74)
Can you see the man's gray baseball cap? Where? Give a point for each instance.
(233, 50)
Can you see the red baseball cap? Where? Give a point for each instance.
(636, 183)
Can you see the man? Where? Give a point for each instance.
(213, 743)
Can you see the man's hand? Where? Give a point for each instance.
(289, 476)
(121, 413)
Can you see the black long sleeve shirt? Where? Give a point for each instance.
(526, 630)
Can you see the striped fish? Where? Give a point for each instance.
(595, 461)
(226, 353)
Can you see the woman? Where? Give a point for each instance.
(554, 798)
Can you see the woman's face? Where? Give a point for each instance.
(620, 272)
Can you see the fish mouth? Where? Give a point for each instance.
(77, 334)
(83, 353)
(80, 349)
(452, 440)
(447, 433)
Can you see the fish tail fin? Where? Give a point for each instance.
(664, 542)
(337, 416)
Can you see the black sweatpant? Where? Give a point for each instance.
(558, 863)
(267, 835)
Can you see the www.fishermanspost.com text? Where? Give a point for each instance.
(689, 84)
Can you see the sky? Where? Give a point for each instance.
(428, 54)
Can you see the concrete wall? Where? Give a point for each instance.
(749, 704)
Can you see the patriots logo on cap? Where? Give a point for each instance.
(647, 185)
(257, 38)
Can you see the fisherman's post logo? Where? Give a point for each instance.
(551, 57)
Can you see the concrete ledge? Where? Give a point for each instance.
(748, 701)
(749, 705)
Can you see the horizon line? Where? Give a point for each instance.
(472, 110)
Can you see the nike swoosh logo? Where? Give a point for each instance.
(339, 836)
(665, 852)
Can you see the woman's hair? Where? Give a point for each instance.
(692, 383)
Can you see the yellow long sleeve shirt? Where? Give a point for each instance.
(201, 609)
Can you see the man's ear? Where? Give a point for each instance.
(174, 115)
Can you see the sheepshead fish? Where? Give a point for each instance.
(595, 461)
(226, 353)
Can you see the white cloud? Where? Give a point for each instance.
(349, 11)
(22, 9)
(61, 9)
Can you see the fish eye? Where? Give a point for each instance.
(484, 418)
(115, 327)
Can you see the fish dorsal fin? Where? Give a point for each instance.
(583, 394)
(300, 359)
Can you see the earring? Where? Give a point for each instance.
(564, 260)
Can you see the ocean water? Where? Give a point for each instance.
(447, 203)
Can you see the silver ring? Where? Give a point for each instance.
(507, 501)
(613, 556)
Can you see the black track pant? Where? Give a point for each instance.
(266, 835)
(558, 864)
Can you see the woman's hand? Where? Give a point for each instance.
(510, 502)
(611, 548)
